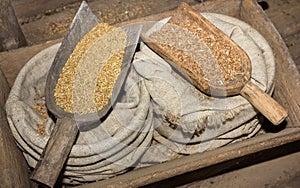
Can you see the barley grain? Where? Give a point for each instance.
(96, 58)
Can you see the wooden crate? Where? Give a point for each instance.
(203, 165)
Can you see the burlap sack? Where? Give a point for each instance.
(159, 115)
(110, 149)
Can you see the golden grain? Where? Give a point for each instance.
(86, 82)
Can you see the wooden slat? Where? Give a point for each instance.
(287, 76)
(33, 7)
(293, 44)
(285, 16)
(234, 152)
(11, 35)
(14, 172)
(12, 61)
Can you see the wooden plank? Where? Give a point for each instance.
(285, 15)
(288, 78)
(25, 8)
(11, 35)
(293, 44)
(54, 24)
(12, 61)
(14, 171)
(279, 172)
(231, 153)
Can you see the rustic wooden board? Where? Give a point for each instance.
(11, 35)
(12, 61)
(285, 16)
(287, 81)
(27, 8)
(257, 170)
(293, 43)
(48, 20)
(233, 154)
(14, 171)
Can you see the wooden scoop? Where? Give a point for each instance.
(83, 45)
(211, 60)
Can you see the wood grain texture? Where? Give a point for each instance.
(189, 18)
(38, 7)
(287, 76)
(285, 15)
(14, 170)
(264, 103)
(213, 160)
(11, 62)
(56, 152)
(11, 35)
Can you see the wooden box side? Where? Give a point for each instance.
(285, 92)
(287, 86)
(14, 170)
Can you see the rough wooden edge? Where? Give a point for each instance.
(11, 35)
(230, 8)
(288, 79)
(11, 62)
(191, 163)
(56, 152)
(14, 170)
(39, 7)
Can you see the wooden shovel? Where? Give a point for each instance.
(224, 69)
(68, 124)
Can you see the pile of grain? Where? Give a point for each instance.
(40, 107)
(86, 82)
(204, 56)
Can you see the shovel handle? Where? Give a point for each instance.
(56, 152)
(264, 103)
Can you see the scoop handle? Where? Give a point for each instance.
(56, 152)
(264, 103)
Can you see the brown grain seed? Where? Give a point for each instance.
(177, 38)
(40, 107)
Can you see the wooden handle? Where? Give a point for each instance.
(56, 152)
(264, 103)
